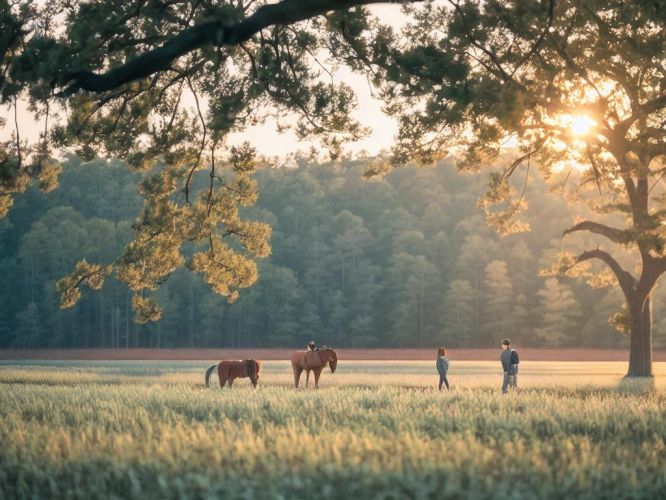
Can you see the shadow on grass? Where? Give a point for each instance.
(637, 385)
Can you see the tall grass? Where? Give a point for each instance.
(374, 430)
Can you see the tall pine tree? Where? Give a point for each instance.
(560, 312)
(498, 303)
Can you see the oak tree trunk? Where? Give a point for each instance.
(640, 348)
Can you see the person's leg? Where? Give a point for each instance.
(505, 383)
(514, 377)
(446, 382)
(441, 380)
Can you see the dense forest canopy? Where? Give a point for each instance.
(399, 261)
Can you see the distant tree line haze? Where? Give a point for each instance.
(401, 261)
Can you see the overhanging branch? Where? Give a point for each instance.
(535, 47)
(624, 278)
(214, 32)
(612, 233)
(640, 111)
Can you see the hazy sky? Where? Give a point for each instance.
(265, 137)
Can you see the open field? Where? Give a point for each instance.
(90, 429)
(535, 354)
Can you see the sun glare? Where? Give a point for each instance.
(579, 124)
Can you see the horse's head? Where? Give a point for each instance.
(332, 359)
(253, 368)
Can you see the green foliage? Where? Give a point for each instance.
(561, 312)
(498, 303)
(458, 314)
(399, 260)
(147, 123)
(28, 327)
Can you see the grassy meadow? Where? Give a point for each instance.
(373, 430)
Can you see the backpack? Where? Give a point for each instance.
(515, 359)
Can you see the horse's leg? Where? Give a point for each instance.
(223, 380)
(307, 377)
(297, 375)
(317, 373)
(231, 381)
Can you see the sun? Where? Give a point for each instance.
(579, 125)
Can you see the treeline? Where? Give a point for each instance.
(402, 261)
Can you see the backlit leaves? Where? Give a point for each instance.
(169, 226)
(621, 322)
(84, 274)
(224, 269)
(567, 264)
(145, 309)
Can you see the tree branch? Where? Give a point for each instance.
(642, 110)
(518, 161)
(504, 75)
(213, 32)
(612, 233)
(203, 142)
(19, 156)
(624, 278)
(535, 47)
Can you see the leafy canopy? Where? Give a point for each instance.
(118, 79)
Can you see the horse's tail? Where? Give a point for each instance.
(208, 372)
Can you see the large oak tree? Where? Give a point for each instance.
(579, 86)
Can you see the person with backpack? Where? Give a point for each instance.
(510, 360)
(442, 367)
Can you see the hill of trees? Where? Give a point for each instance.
(402, 261)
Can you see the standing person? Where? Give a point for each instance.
(442, 367)
(510, 360)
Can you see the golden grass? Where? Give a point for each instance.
(373, 430)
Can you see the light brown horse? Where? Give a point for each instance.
(230, 370)
(312, 360)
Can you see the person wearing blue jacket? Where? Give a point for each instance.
(509, 359)
(442, 367)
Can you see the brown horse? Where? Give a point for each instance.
(230, 370)
(312, 360)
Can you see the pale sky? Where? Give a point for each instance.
(265, 137)
(369, 113)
